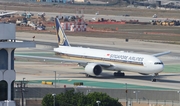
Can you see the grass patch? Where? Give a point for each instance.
(172, 69)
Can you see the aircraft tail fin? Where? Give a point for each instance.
(61, 36)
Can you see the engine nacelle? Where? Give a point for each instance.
(93, 69)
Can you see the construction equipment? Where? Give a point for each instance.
(166, 22)
(22, 22)
(156, 22)
(31, 24)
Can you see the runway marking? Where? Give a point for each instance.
(102, 84)
(70, 80)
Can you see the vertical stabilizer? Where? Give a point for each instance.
(62, 40)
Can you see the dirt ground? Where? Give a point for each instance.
(106, 10)
(153, 33)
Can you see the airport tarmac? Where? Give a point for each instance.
(90, 16)
(108, 43)
(44, 70)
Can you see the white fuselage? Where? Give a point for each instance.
(120, 61)
(7, 13)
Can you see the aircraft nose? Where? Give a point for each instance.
(161, 68)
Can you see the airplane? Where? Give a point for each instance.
(41, 14)
(97, 13)
(154, 16)
(95, 61)
(4, 14)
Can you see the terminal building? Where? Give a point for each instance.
(49, 0)
(55, 1)
(8, 44)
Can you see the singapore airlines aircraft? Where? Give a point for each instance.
(95, 60)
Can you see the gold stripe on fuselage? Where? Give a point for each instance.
(92, 59)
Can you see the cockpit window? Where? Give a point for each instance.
(158, 63)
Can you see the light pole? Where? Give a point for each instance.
(58, 79)
(98, 102)
(23, 83)
(88, 91)
(54, 95)
(136, 92)
(55, 79)
(23, 79)
(126, 94)
(22, 91)
(179, 95)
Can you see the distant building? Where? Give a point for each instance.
(160, 3)
(49, 1)
(80, 1)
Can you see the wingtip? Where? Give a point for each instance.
(162, 53)
(168, 51)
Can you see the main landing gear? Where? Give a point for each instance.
(87, 75)
(119, 74)
(154, 77)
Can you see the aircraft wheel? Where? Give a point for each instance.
(87, 75)
(154, 80)
(117, 74)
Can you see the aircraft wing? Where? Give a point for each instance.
(161, 54)
(8, 13)
(64, 60)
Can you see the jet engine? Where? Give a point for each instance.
(93, 69)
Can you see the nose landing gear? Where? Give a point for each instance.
(154, 77)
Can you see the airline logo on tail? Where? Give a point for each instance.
(62, 40)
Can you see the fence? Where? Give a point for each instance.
(136, 95)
